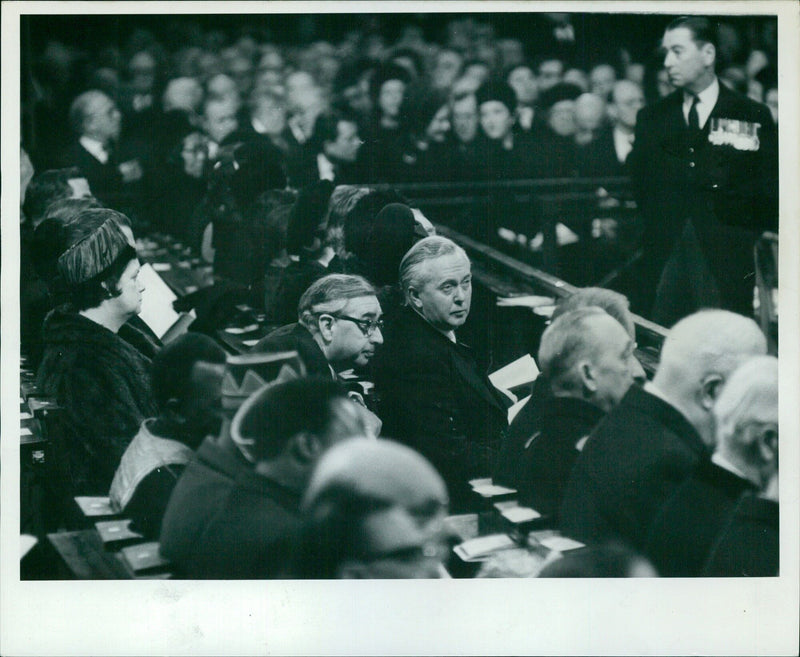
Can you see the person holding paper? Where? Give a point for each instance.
(101, 380)
(587, 358)
(432, 395)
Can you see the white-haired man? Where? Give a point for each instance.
(433, 396)
(727, 499)
(655, 438)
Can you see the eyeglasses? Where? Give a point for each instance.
(366, 326)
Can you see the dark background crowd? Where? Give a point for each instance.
(280, 151)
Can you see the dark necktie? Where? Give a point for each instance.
(694, 120)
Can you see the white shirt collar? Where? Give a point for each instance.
(623, 144)
(725, 464)
(707, 98)
(95, 148)
(325, 167)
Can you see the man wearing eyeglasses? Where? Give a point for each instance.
(432, 395)
(338, 328)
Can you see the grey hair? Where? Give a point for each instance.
(330, 294)
(568, 339)
(614, 303)
(750, 395)
(426, 249)
(78, 111)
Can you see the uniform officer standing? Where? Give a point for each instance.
(704, 168)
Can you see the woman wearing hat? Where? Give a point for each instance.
(100, 380)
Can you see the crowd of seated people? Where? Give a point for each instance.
(263, 160)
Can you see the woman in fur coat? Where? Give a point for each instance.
(100, 380)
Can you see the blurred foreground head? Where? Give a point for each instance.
(373, 510)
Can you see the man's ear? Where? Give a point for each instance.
(710, 389)
(767, 439)
(305, 447)
(709, 53)
(325, 325)
(588, 377)
(413, 297)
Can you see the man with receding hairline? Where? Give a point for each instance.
(656, 436)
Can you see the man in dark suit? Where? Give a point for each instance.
(704, 168)
(586, 356)
(339, 326)
(745, 462)
(656, 437)
(432, 394)
(607, 155)
(97, 122)
(329, 154)
(234, 515)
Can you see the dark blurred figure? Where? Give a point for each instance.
(464, 119)
(243, 172)
(381, 157)
(234, 519)
(373, 510)
(330, 153)
(521, 78)
(508, 155)
(99, 154)
(608, 153)
(308, 257)
(186, 378)
(554, 145)
(428, 155)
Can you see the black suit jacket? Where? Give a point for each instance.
(434, 398)
(728, 194)
(105, 180)
(683, 532)
(635, 458)
(599, 157)
(541, 448)
(296, 337)
(748, 545)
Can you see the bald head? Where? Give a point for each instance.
(699, 355)
(373, 509)
(183, 94)
(378, 468)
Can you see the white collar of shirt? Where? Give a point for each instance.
(297, 131)
(623, 144)
(325, 167)
(707, 98)
(95, 148)
(725, 464)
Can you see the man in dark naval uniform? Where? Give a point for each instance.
(704, 169)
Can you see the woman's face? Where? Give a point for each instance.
(439, 125)
(391, 97)
(129, 301)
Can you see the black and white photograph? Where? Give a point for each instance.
(301, 301)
